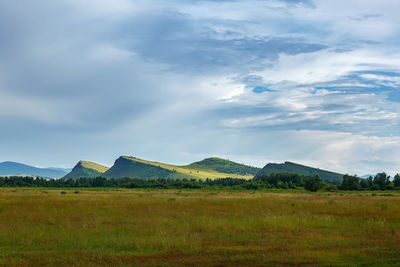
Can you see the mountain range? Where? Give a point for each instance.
(132, 167)
(15, 168)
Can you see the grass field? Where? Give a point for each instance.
(49, 227)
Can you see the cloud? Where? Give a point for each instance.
(331, 92)
(366, 17)
(307, 3)
(103, 8)
(254, 81)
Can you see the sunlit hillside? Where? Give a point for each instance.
(86, 169)
(209, 168)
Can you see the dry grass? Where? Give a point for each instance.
(43, 227)
(94, 166)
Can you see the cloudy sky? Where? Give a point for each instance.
(311, 81)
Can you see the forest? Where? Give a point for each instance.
(380, 181)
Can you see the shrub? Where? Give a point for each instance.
(331, 188)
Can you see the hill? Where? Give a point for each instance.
(223, 166)
(15, 168)
(290, 167)
(86, 169)
(209, 168)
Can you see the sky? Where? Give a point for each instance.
(315, 82)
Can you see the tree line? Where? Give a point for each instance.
(381, 181)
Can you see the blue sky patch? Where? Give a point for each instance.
(261, 89)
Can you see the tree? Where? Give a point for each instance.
(370, 181)
(364, 183)
(396, 180)
(99, 182)
(350, 182)
(382, 180)
(313, 184)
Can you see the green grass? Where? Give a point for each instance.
(119, 227)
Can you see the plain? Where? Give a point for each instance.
(87, 227)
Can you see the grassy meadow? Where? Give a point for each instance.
(83, 227)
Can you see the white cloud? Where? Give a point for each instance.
(327, 65)
(350, 153)
(395, 79)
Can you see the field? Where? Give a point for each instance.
(48, 227)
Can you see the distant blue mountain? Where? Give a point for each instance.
(15, 168)
(367, 176)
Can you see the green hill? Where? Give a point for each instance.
(223, 166)
(290, 167)
(86, 169)
(209, 168)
